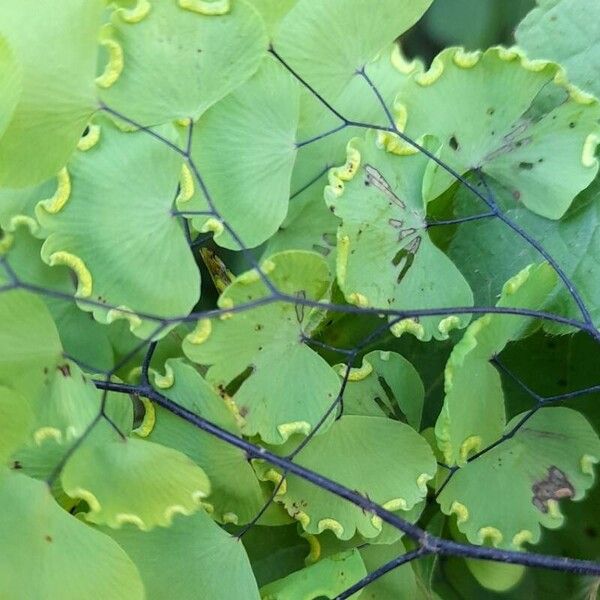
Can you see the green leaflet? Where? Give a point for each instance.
(550, 458)
(249, 186)
(565, 31)
(10, 83)
(400, 583)
(29, 345)
(171, 61)
(236, 496)
(16, 417)
(326, 42)
(473, 415)
(134, 481)
(190, 557)
(275, 551)
(272, 11)
(120, 180)
(276, 398)
(476, 104)
(309, 224)
(574, 242)
(80, 335)
(57, 84)
(361, 453)
(385, 256)
(17, 205)
(326, 578)
(386, 384)
(55, 555)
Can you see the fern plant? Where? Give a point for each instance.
(287, 315)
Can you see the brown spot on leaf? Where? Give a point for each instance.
(48, 538)
(554, 487)
(65, 370)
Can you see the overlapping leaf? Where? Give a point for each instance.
(56, 95)
(277, 397)
(549, 459)
(53, 554)
(173, 59)
(573, 242)
(385, 256)
(565, 31)
(477, 105)
(249, 185)
(473, 414)
(236, 496)
(385, 385)
(122, 188)
(134, 481)
(194, 555)
(309, 225)
(325, 579)
(361, 453)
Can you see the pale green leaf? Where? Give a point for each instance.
(236, 495)
(386, 384)
(55, 555)
(192, 557)
(568, 32)
(249, 186)
(10, 83)
(473, 414)
(477, 105)
(386, 258)
(57, 92)
(134, 481)
(384, 460)
(326, 42)
(276, 398)
(16, 417)
(115, 197)
(549, 459)
(176, 62)
(324, 579)
(400, 583)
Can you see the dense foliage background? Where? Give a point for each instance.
(299, 299)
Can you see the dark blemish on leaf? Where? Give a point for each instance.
(258, 327)
(301, 295)
(516, 195)
(45, 370)
(454, 143)
(322, 250)
(48, 538)
(554, 487)
(65, 370)
(243, 411)
(526, 166)
(591, 532)
(490, 111)
(85, 131)
(17, 465)
(572, 125)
